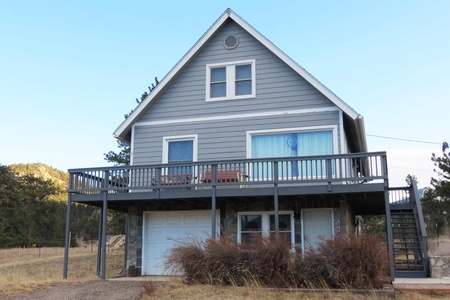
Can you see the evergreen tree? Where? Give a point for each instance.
(123, 158)
(436, 200)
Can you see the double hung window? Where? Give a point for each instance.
(178, 150)
(230, 81)
(253, 224)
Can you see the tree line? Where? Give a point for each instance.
(33, 213)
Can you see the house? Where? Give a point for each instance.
(240, 139)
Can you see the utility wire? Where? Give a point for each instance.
(405, 140)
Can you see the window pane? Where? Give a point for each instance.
(243, 88)
(181, 151)
(284, 222)
(218, 74)
(243, 72)
(218, 90)
(251, 223)
(248, 238)
(315, 143)
(292, 145)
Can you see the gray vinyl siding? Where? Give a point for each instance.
(277, 85)
(278, 88)
(221, 139)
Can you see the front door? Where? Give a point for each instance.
(317, 224)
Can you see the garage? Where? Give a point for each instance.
(162, 229)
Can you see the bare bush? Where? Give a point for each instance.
(347, 261)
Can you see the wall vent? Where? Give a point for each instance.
(230, 42)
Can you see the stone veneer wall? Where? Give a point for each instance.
(440, 266)
(134, 257)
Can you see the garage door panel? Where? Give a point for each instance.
(162, 230)
(155, 220)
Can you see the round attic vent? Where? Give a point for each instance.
(231, 42)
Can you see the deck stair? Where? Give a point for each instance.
(407, 248)
(407, 234)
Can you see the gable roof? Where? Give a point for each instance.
(123, 131)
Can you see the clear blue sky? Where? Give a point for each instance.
(70, 70)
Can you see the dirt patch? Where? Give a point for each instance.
(91, 290)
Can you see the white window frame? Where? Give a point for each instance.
(265, 222)
(333, 128)
(294, 130)
(179, 138)
(230, 80)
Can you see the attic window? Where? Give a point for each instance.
(230, 42)
(234, 80)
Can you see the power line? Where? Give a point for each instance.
(405, 140)
(406, 168)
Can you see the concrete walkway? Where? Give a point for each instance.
(442, 284)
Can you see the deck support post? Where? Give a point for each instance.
(125, 255)
(67, 239)
(104, 220)
(390, 235)
(275, 200)
(99, 242)
(213, 201)
(213, 213)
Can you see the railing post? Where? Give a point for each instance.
(384, 169)
(158, 174)
(329, 173)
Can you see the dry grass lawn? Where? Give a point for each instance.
(174, 290)
(27, 270)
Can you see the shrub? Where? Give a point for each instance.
(188, 259)
(347, 261)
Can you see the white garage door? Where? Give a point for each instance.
(163, 228)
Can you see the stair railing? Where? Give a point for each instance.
(423, 230)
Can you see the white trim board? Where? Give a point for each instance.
(238, 116)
